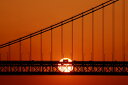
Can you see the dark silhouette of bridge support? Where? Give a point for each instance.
(51, 67)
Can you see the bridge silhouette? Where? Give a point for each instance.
(50, 67)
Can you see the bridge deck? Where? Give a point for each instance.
(51, 68)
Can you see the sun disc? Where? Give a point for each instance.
(65, 65)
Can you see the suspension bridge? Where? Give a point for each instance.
(49, 66)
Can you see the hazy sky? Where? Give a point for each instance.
(21, 17)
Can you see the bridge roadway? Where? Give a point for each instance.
(51, 68)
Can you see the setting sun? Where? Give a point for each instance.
(65, 65)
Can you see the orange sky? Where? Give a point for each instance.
(21, 17)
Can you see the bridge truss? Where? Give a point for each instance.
(51, 68)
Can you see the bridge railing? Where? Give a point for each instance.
(44, 67)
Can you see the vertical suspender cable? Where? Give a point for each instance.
(30, 57)
(113, 31)
(9, 53)
(0, 54)
(72, 39)
(51, 49)
(82, 37)
(103, 34)
(123, 31)
(41, 54)
(51, 46)
(20, 51)
(62, 55)
(92, 56)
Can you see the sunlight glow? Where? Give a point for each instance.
(65, 65)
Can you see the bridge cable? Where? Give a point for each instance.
(51, 46)
(9, 53)
(0, 56)
(41, 54)
(123, 30)
(103, 55)
(30, 57)
(72, 39)
(107, 3)
(20, 55)
(92, 56)
(62, 54)
(113, 31)
(82, 38)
